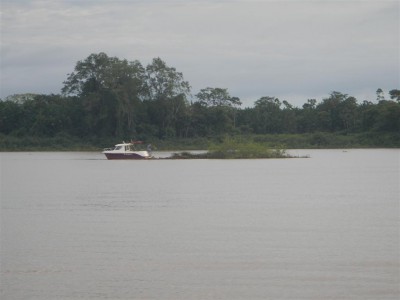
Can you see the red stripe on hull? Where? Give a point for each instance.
(123, 156)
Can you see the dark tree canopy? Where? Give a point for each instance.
(217, 97)
(111, 97)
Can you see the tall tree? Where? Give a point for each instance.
(329, 112)
(348, 113)
(167, 94)
(289, 118)
(308, 117)
(110, 89)
(165, 82)
(267, 116)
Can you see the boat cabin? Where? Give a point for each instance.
(124, 147)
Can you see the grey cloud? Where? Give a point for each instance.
(300, 49)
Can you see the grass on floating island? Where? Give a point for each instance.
(235, 149)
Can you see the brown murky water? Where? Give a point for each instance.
(76, 226)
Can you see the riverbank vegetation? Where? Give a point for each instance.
(106, 100)
(235, 148)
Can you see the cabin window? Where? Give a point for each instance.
(118, 148)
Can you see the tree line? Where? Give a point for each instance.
(111, 97)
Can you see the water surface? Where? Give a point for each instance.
(76, 226)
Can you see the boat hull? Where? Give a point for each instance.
(125, 156)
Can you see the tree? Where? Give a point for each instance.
(395, 95)
(329, 112)
(201, 124)
(267, 115)
(165, 82)
(308, 116)
(311, 104)
(348, 113)
(388, 116)
(368, 114)
(167, 93)
(380, 95)
(11, 114)
(222, 107)
(111, 89)
(217, 97)
(289, 118)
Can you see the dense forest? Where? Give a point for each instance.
(106, 98)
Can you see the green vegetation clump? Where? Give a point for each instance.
(231, 148)
(237, 148)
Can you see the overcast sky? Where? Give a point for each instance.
(294, 50)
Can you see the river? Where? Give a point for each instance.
(77, 226)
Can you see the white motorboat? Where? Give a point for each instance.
(130, 150)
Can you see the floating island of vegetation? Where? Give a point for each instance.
(235, 149)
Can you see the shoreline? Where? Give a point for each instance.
(318, 140)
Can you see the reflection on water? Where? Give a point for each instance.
(76, 226)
